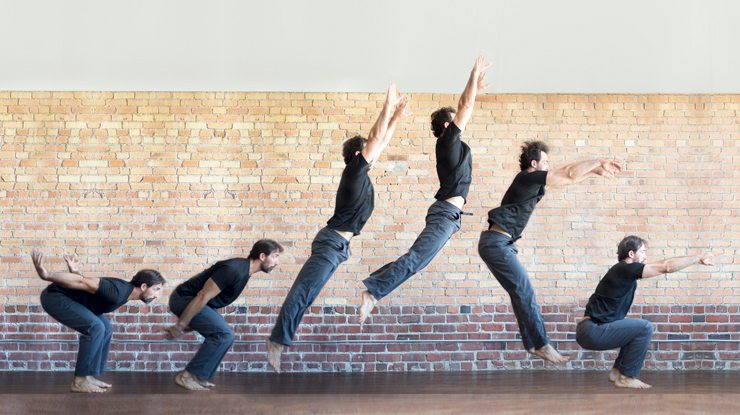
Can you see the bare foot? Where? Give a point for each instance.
(274, 352)
(186, 380)
(99, 383)
(368, 304)
(614, 374)
(628, 382)
(204, 382)
(549, 354)
(82, 385)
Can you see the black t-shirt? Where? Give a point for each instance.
(230, 275)
(519, 201)
(613, 296)
(112, 293)
(454, 164)
(355, 197)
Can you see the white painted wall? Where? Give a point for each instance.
(579, 46)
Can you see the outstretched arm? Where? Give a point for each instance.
(581, 170)
(209, 290)
(69, 280)
(467, 99)
(667, 266)
(378, 138)
(399, 114)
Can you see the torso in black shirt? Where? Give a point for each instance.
(613, 296)
(230, 275)
(112, 293)
(519, 202)
(355, 197)
(454, 164)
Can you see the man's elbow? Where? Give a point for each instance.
(92, 283)
(662, 267)
(464, 107)
(560, 179)
(202, 297)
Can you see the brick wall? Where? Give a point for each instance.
(175, 181)
(395, 338)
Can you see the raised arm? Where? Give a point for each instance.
(69, 280)
(467, 99)
(398, 114)
(209, 290)
(667, 266)
(581, 170)
(378, 139)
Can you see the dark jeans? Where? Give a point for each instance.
(95, 331)
(443, 220)
(218, 337)
(328, 250)
(631, 335)
(499, 253)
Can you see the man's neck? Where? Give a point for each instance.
(254, 266)
(135, 294)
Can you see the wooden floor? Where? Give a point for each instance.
(548, 392)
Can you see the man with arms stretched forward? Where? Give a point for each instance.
(603, 325)
(506, 224)
(79, 303)
(454, 169)
(353, 207)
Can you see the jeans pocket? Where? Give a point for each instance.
(513, 248)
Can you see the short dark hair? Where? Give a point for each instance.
(264, 246)
(351, 146)
(531, 150)
(147, 276)
(629, 243)
(439, 118)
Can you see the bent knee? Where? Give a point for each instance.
(224, 337)
(96, 329)
(648, 328)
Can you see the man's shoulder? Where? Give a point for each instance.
(451, 132)
(530, 178)
(623, 268)
(113, 281)
(234, 265)
(356, 167)
(237, 262)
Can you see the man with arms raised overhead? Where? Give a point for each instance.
(353, 207)
(454, 169)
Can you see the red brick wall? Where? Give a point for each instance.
(396, 338)
(176, 181)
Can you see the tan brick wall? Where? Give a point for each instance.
(176, 181)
